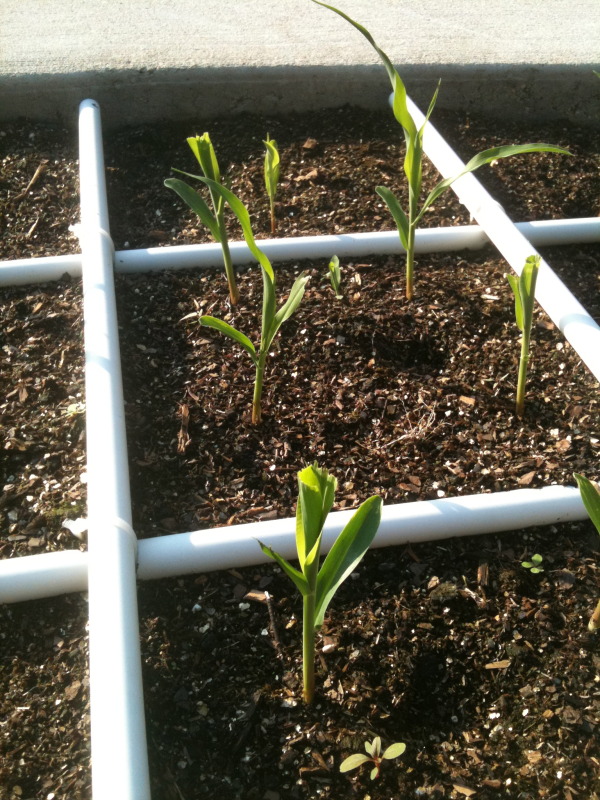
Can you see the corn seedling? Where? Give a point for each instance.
(534, 566)
(375, 756)
(590, 494)
(413, 161)
(524, 291)
(316, 492)
(271, 175)
(202, 148)
(335, 277)
(272, 320)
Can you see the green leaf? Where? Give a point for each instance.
(196, 203)
(590, 494)
(399, 103)
(527, 283)
(515, 286)
(353, 762)
(232, 333)
(398, 214)
(394, 750)
(241, 212)
(202, 148)
(272, 165)
(485, 157)
(292, 573)
(374, 748)
(316, 491)
(347, 551)
(287, 309)
(432, 103)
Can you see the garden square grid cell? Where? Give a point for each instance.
(118, 735)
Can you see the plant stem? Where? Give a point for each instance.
(410, 263)
(273, 225)
(594, 623)
(523, 364)
(258, 387)
(308, 647)
(234, 294)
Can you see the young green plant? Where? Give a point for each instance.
(535, 565)
(335, 277)
(375, 756)
(316, 492)
(407, 221)
(272, 320)
(523, 288)
(272, 165)
(590, 494)
(202, 148)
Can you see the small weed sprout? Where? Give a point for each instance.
(524, 291)
(590, 494)
(316, 492)
(272, 320)
(272, 165)
(413, 161)
(335, 277)
(202, 148)
(534, 566)
(374, 755)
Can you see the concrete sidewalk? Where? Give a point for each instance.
(157, 59)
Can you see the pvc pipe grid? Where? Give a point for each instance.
(115, 559)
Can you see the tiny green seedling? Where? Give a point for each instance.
(375, 756)
(272, 320)
(272, 165)
(335, 277)
(316, 492)
(534, 566)
(202, 148)
(590, 494)
(413, 161)
(524, 291)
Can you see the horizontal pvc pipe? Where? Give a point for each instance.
(236, 546)
(118, 735)
(560, 304)
(428, 240)
(223, 548)
(43, 575)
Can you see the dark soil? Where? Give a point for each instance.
(484, 670)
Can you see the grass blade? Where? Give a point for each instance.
(485, 157)
(590, 495)
(292, 573)
(397, 213)
(196, 203)
(349, 548)
(231, 333)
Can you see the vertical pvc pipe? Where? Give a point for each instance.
(119, 752)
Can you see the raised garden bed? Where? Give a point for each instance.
(413, 402)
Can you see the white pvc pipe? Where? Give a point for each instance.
(224, 548)
(427, 240)
(43, 575)
(560, 304)
(211, 549)
(118, 736)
